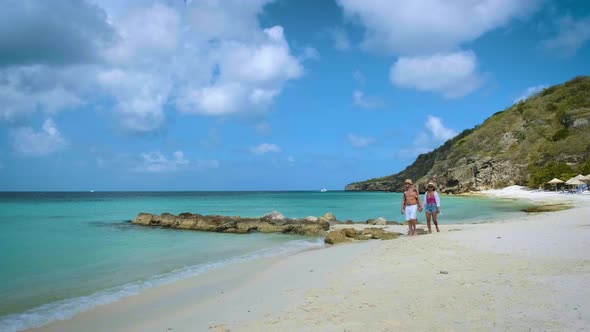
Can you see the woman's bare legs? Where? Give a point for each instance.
(434, 219)
(428, 221)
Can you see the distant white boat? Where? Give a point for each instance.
(91, 191)
(324, 190)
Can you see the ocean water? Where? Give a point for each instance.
(62, 253)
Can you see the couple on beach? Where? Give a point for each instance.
(411, 204)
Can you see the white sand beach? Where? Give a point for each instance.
(526, 273)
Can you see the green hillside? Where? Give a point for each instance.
(544, 136)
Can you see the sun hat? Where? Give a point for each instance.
(409, 181)
(430, 183)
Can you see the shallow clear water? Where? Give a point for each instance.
(66, 252)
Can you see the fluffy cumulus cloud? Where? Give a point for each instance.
(31, 143)
(144, 58)
(428, 34)
(156, 162)
(28, 89)
(434, 135)
(52, 32)
(452, 74)
(423, 27)
(360, 141)
(250, 76)
(572, 34)
(530, 91)
(265, 148)
(438, 131)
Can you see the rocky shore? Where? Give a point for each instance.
(273, 222)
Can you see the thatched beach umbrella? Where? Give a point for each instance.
(574, 182)
(555, 182)
(582, 178)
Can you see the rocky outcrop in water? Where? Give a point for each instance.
(273, 222)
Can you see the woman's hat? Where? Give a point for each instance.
(431, 184)
(409, 181)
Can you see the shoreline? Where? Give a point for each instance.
(230, 297)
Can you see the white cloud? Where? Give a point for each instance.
(31, 143)
(530, 91)
(208, 57)
(423, 27)
(360, 100)
(452, 74)
(27, 89)
(251, 76)
(360, 141)
(156, 162)
(438, 130)
(571, 36)
(265, 148)
(434, 135)
(340, 38)
(53, 32)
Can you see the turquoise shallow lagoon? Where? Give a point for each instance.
(66, 252)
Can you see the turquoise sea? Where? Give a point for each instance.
(62, 253)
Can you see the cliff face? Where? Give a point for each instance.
(553, 125)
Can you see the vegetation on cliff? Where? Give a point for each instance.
(528, 143)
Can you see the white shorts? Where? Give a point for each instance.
(411, 211)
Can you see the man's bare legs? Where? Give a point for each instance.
(413, 227)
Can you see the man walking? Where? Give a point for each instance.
(410, 206)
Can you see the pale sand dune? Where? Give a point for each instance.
(527, 273)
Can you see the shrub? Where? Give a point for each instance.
(584, 167)
(548, 91)
(520, 107)
(539, 175)
(560, 134)
(520, 135)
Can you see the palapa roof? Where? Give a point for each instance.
(574, 182)
(582, 177)
(555, 181)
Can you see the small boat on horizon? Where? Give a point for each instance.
(324, 190)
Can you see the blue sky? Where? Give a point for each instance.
(261, 94)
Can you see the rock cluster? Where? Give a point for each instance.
(273, 222)
(350, 234)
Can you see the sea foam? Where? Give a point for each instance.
(66, 309)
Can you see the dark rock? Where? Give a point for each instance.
(378, 233)
(349, 232)
(270, 223)
(329, 216)
(335, 237)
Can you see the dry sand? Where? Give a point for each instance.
(527, 273)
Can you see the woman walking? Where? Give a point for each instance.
(432, 207)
